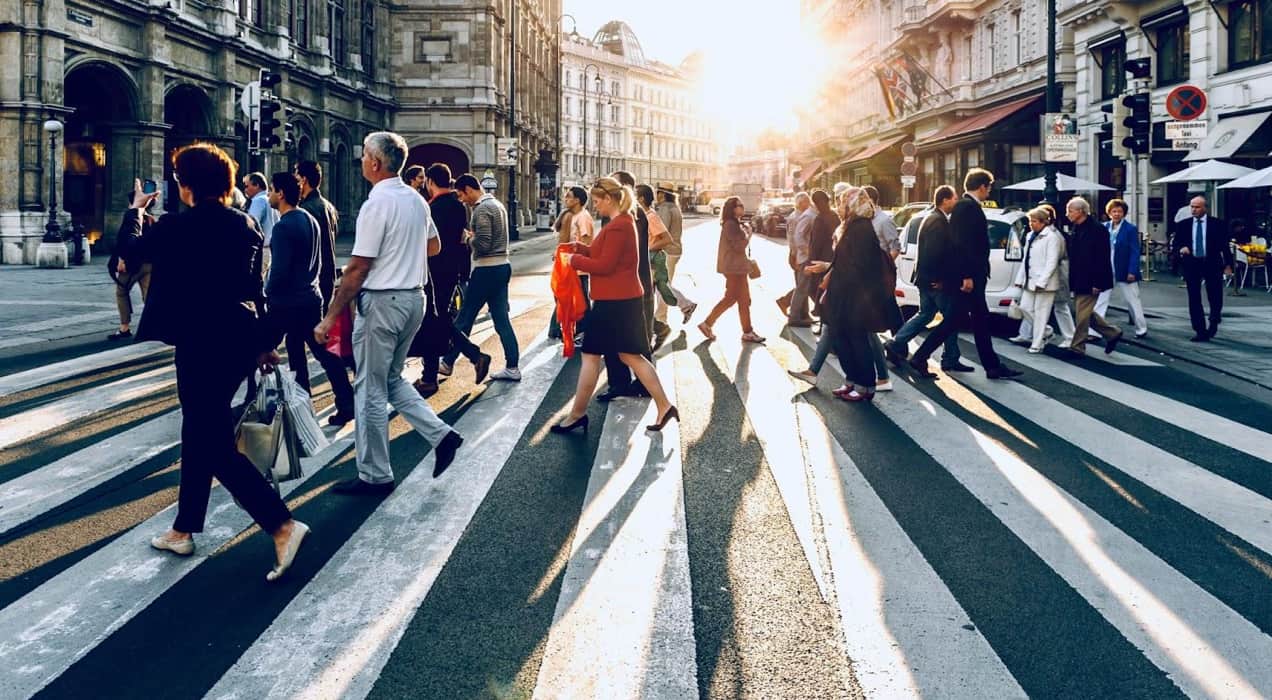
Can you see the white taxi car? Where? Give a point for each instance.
(1007, 231)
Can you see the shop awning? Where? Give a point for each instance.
(845, 160)
(981, 121)
(811, 170)
(872, 151)
(1228, 136)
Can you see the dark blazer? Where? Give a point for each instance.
(821, 244)
(858, 296)
(1126, 251)
(642, 245)
(128, 245)
(939, 258)
(970, 233)
(1089, 266)
(1218, 255)
(451, 217)
(324, 212)
(206, 287)
(731, 255)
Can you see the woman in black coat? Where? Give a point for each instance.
(205, 299)
(859, 301)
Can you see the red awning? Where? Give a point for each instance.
(873, 150)
(811, 170)
(980, 121)
(848, 158)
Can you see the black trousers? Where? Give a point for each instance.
(1195, 276)
(296, 325)
(445, 282)
(620, 377)
(856, 358)
(973, 307)
(206, 381)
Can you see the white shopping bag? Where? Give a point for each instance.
(301, 412)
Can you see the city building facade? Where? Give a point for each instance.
(964, 84)
(133, 80)
(623, 110)
(452, 76)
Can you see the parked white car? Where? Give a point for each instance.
(1006, 233)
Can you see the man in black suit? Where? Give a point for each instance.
(1201, 245)
(969, 232)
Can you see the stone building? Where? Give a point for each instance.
(132, 80)
(451, 82)
(967, 89)
(638, 114)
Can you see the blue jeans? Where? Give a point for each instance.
(488, 286)
(824, 344)
(929, 304)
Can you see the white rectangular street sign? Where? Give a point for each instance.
(1185, 144)
(506, 149)
(907, 181)
(1186, 131)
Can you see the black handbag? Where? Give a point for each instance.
(434, 335)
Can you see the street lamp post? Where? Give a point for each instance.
(649, 146)
(514, 225)
(53, 230)
(560, 97)
(598, 81)
(1049, 193)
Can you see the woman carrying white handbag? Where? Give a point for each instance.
(1039, 276)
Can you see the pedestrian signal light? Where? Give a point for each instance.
(289, 131)
(269, 79)
(1115, 129)
(1139, 68)
(270, 124)
(1139, 122)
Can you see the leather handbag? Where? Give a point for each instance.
(752, 267)
(266, 435)
(433, 337)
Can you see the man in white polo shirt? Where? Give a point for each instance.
(386, 277)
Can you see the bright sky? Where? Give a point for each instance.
(750, 49)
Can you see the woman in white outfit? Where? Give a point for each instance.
(1039, 275)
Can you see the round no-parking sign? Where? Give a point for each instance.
(1186, 103)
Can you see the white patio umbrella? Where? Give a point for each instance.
(1258, 178)
(1064, 183)
(1208, 171)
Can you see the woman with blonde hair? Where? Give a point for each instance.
(733, 262)
(1039, 275)
(616, 323)
(859, 301)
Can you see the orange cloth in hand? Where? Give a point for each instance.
(571, 303)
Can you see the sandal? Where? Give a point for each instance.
(752, 337)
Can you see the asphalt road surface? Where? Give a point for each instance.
(1101, 527)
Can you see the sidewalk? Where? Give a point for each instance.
(1243, 347)
(57, 309)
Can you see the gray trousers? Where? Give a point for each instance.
(799, 297)
(385, 324)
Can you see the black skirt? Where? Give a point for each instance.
(616, 326)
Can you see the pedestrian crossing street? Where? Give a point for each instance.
(1100, 528)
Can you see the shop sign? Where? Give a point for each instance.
(1186, 130)
(1059, 138)
(507, 151)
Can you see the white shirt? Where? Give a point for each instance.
(394, 227)
(265, 215)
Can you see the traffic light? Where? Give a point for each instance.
(1139, 122)
(289, 131)
(269, 124)
(1139, 68)
(1115, 129)
(269, 79)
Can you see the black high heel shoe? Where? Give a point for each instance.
(561, 428)
(666, 418)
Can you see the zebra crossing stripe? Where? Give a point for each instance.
(28, 424)
(1205, 647)
(905, 632)
(1231, 506)
(623, 626)
(53, 626)
(335, 637)
(39, 376)
(1208, 425)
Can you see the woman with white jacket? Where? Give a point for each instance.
(1039, 275)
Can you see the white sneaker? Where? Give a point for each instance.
(804, 376)
(183, 547)
(1048, 333)
(444, 369)
(507, 374)
(884, 386)
(1035, 351)
(1020, 339)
